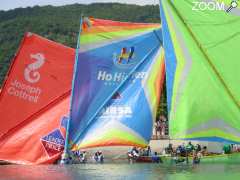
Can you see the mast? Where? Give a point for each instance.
(65, 152)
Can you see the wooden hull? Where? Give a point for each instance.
(144, 159)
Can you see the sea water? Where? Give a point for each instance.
(121, 171)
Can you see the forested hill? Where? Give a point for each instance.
(61, 24)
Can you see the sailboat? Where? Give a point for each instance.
(119, 72)
(202, 77)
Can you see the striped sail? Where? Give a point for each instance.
(117, 82)
(202, 69)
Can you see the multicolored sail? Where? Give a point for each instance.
(202, 67)
(116, 85)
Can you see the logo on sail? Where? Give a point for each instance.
(116, 111)
(30, 73)
(126, 58)
(53, 142)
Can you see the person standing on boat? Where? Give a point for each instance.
(163, 125)
(189, 150)
(130, 156)
(135, 152)
(157, 128)
(148, 151)
(198, 148)
(82, 157)
(169, 149)
(189, 147)
(227, 149)
(95, 157)
(100, 157)
(183, 149)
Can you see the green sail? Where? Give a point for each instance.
(203, 70)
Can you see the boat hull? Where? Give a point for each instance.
(221, 158)
(144, 159)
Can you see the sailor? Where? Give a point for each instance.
(169, 149)
(198, 148)
(157, 128)
(147, 152)
(95, 157)
(76, 157)
(189, 147)
(181, 150)
(163, 125)
(227, 149)
(82, 157)
(135, 153)
(100, 157)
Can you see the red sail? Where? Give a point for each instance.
(33, 101)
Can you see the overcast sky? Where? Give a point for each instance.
(12, 4)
